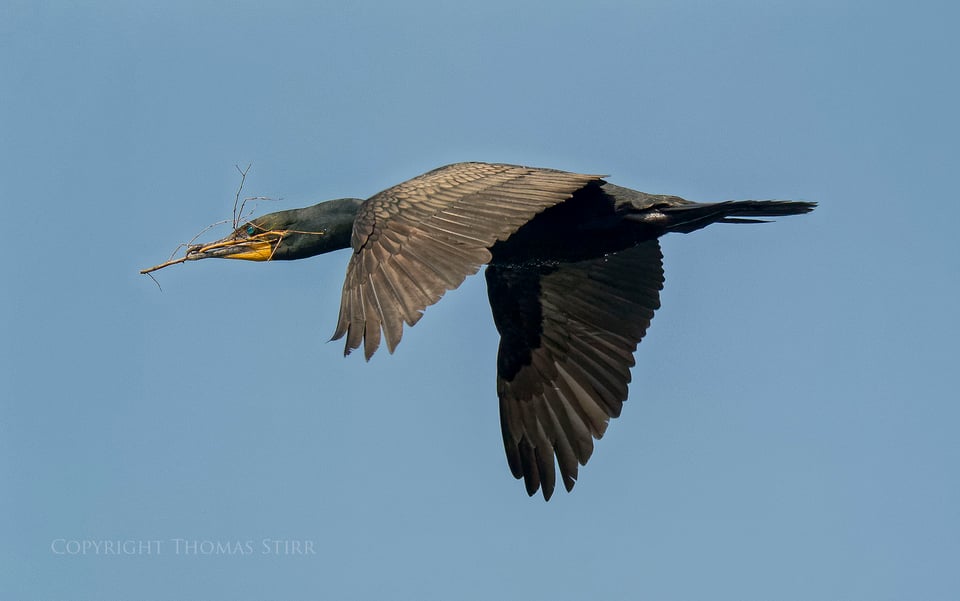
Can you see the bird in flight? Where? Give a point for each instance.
(574, 273)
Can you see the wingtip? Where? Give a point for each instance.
(547, 493)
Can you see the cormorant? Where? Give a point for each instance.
(573, 276)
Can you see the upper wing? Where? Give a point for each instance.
(416, 240)
(567, 336)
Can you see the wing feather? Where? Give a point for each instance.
(416, 240)
(567, 337)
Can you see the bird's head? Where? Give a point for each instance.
(286, 235)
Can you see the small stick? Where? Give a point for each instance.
(159, 287)
(166, 264)
(238, 215)
(236, 199)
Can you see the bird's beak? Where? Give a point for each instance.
(259, 247)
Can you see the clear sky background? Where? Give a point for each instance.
(791, 432)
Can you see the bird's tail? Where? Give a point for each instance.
(691, 216)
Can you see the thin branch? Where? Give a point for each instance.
(236, 199)
(162, 265)
(155, 281)
(239, 215)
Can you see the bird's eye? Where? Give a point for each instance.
(251, 230)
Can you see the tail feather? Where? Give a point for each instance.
(741, 220)
(691, 216)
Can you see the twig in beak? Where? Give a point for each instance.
(162, 265)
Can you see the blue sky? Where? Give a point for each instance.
(790, 432)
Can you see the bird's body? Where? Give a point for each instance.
(574, 274)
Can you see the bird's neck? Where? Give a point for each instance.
(334, 218)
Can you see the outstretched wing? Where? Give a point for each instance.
(415, 241)
(567, 336)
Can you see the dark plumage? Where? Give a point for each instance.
(574, 274)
